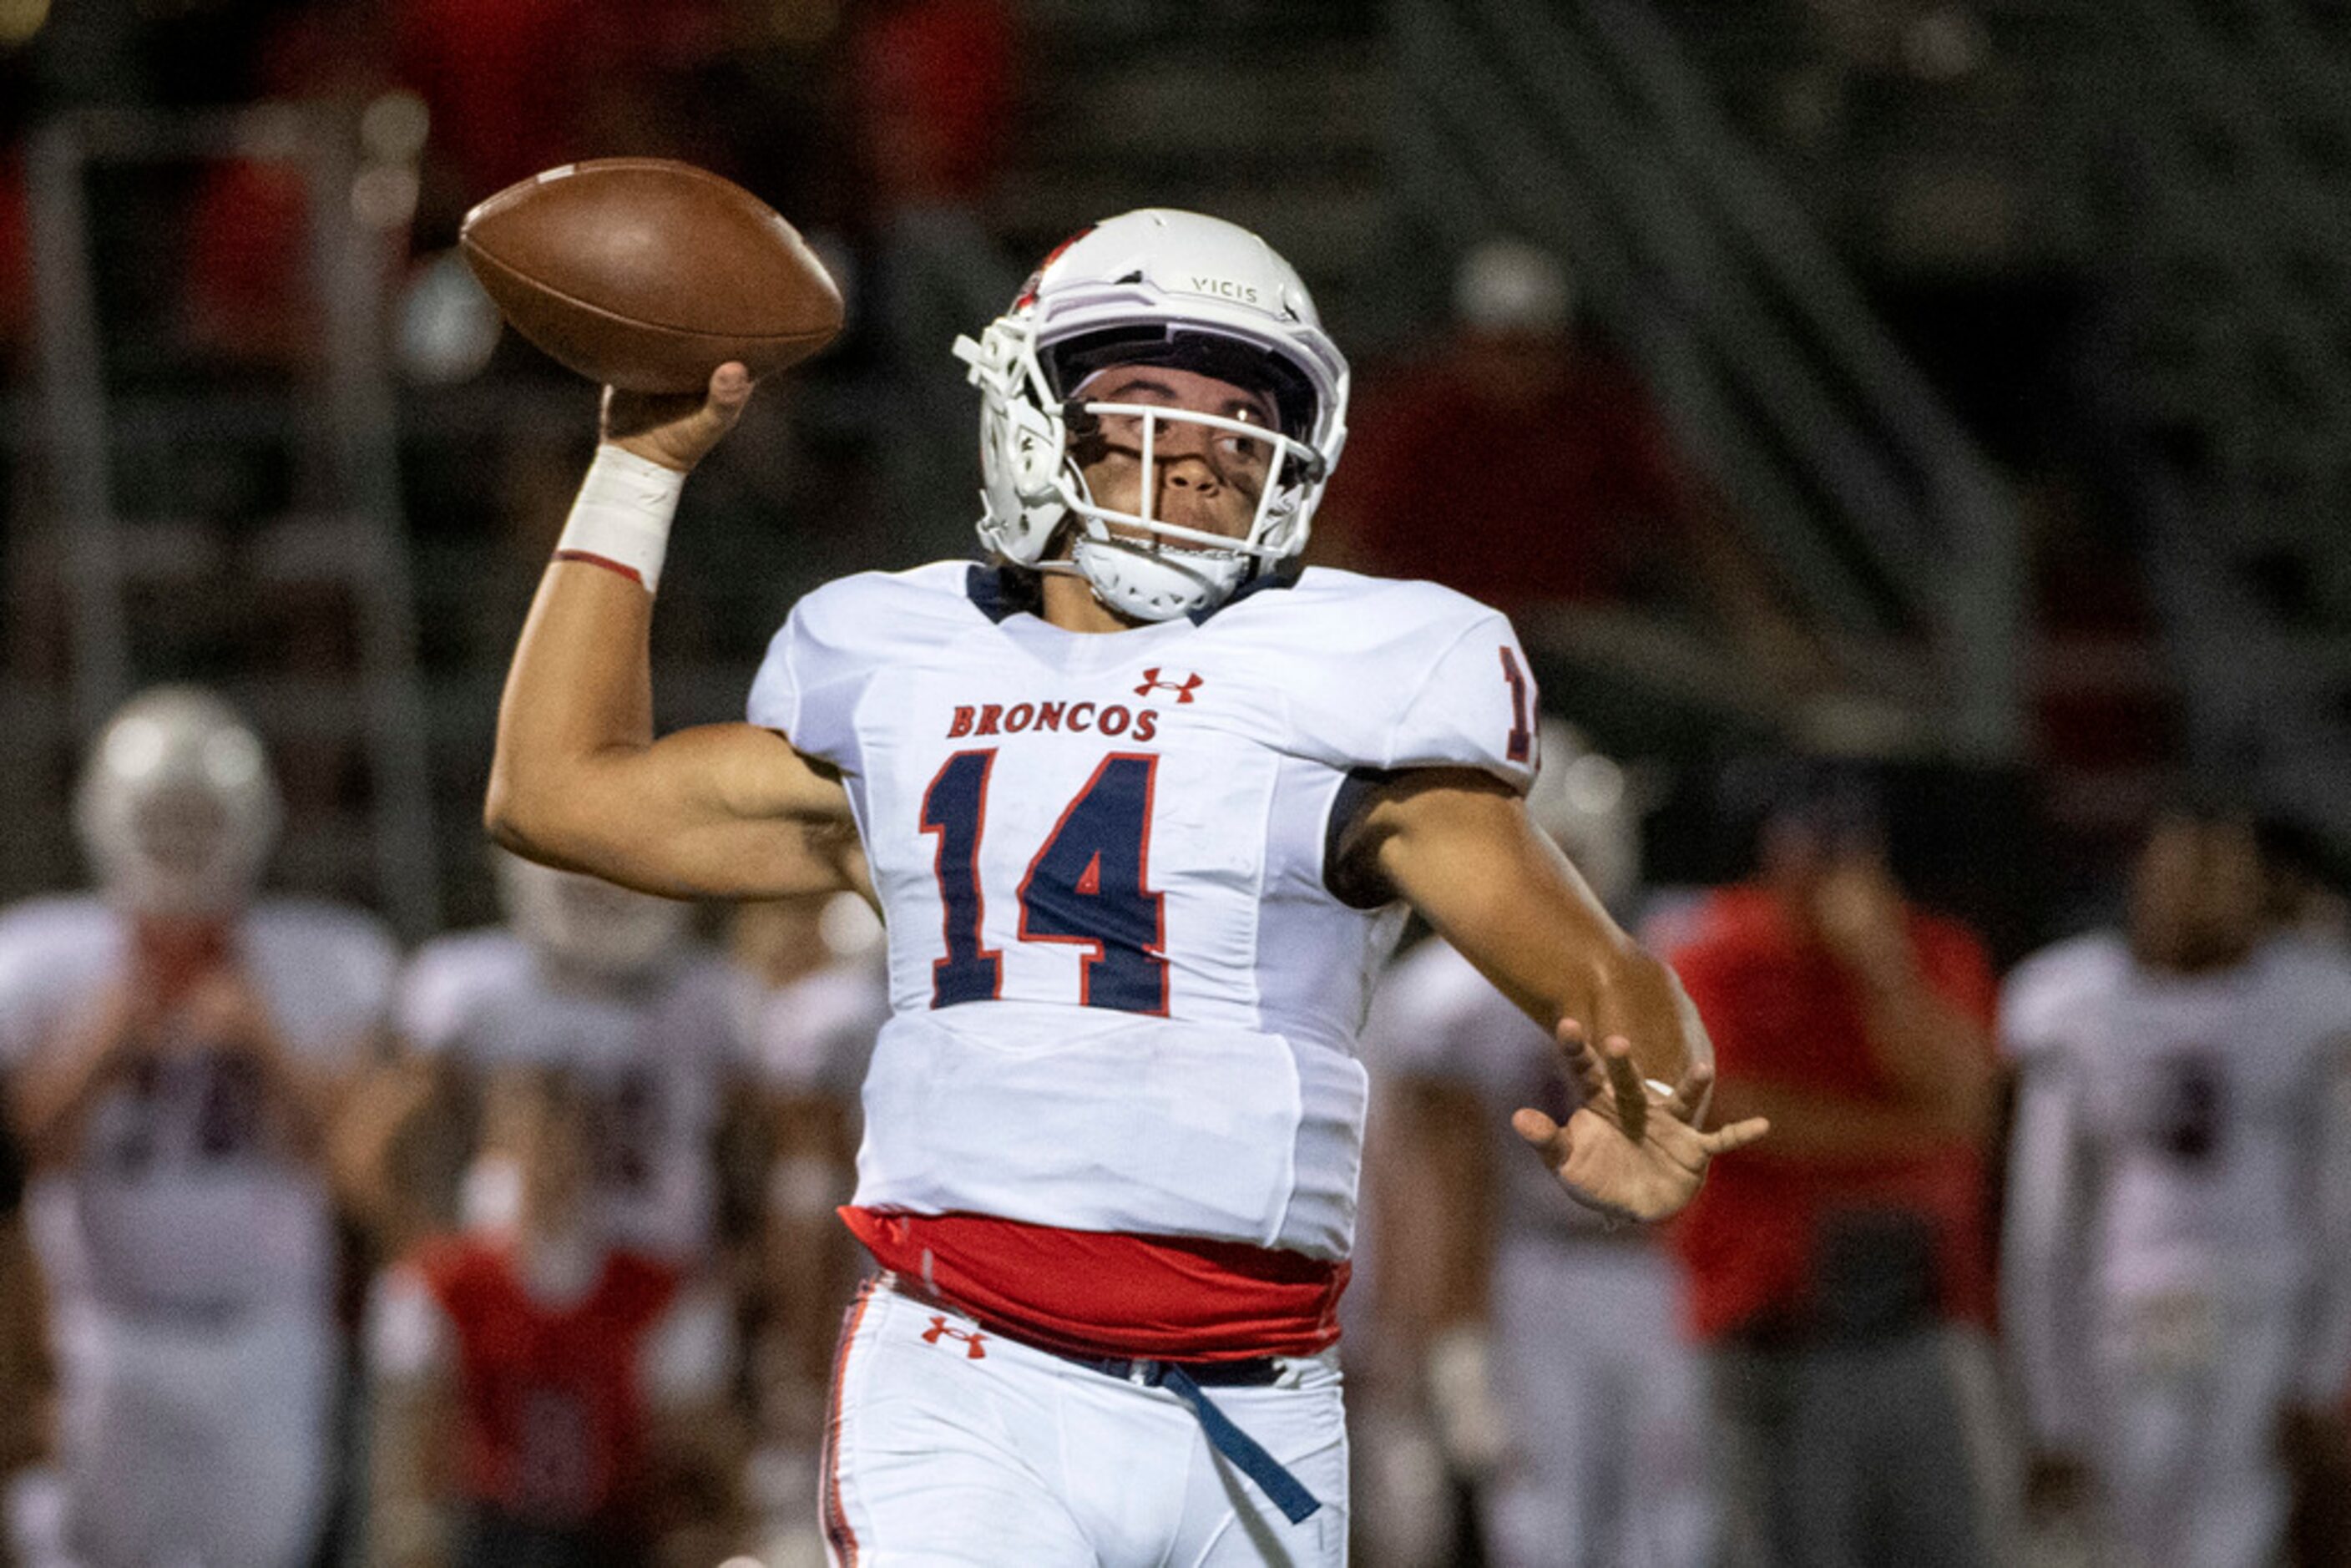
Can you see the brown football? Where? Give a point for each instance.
(649, 273)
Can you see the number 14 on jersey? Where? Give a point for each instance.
(1089, 885)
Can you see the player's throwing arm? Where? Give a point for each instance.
(1459, 847)
(598, 262)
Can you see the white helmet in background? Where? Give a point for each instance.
(1153, 287)
(587, 925)
(177, 808)
(1585, 802)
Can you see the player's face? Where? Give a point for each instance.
(1200, 477)
(181, 829)
(2196, 899)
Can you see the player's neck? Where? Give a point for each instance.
(176, 949)
(1069, 604)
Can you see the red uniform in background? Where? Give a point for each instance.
(1782, 1011)
(552, 1424)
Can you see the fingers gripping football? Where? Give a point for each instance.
(678, 430)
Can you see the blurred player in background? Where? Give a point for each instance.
(176, 1049)
(585, 975)
(1144, 807)
(607, 988)
(810, 993)
(1841, 1278)
(542, 1397)
(2179, 1248)
(1519, 1302)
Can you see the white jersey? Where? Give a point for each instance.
(1437, 1018)
(1123, 998)
(814, 1035)
(2178, 1137)
(655, 1057)
(181, 1203)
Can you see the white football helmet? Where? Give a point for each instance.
(588, 925)
(1584, 801)
(177, 808)
(1153, 287)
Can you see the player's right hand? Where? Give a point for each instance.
(676, 430)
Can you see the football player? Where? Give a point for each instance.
(176, 1047)
(542, 1395)
(1516, 1299)
(2177, 1255)
(1143, 806)
(585, 975)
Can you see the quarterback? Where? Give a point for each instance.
(1143, 806)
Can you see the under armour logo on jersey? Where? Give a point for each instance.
(1152, 682)
(939, 1329)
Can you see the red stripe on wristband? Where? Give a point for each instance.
(591, 558)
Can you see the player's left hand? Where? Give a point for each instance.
(1632, 1149)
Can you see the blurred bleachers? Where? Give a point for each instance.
(1965, 311)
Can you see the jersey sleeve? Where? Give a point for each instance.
(2045, 989)
(1475, 708)
(427, 1004)
(53, 952)
(431, 1005)
(816, 1036)
(2325, 1352)
(326, 971)
(689, 1352)
(1410, 675)
(2042, 1243)
(408, 1334)
(815, 671)
(364, 959)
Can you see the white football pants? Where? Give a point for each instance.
(1607, 1410)
(2188, 1457)
(953, 1446)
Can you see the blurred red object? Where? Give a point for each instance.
(520, 1359)
(934, 95)
(249, 291)
(518, 86)
(15, 259)
(1517, 470)
(1783, 1012)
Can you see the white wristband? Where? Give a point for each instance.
(622, 516)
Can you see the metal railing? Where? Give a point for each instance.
(342, 420)
(2239, 197)
(1582, 126)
